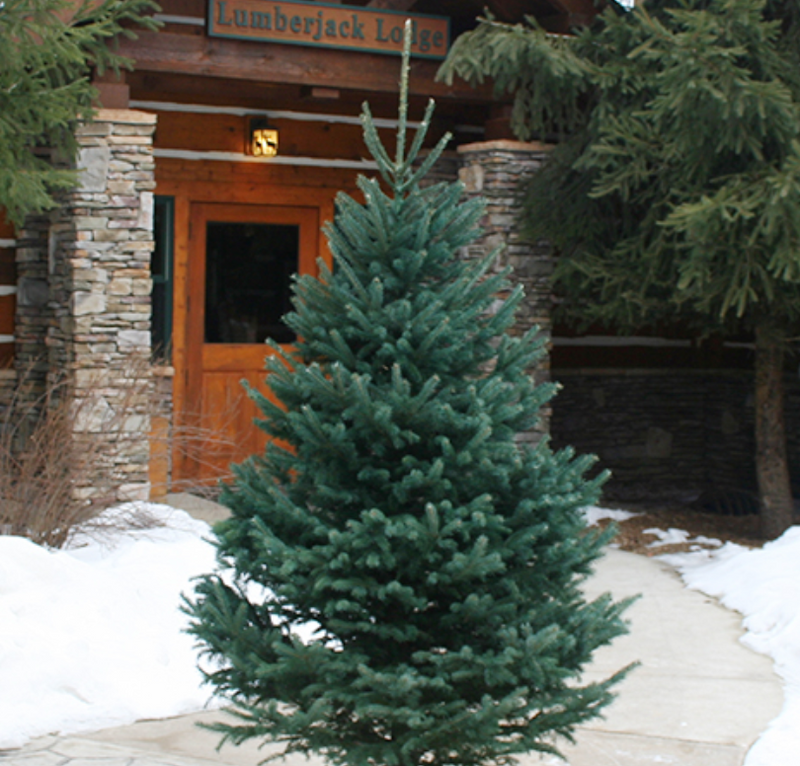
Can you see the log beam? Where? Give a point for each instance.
(289, 64)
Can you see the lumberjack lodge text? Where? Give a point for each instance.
(330, 26)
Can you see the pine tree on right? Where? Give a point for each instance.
(674, 191)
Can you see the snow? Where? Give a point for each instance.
(677, 537)
(592, 514)
(763, 585)
(93, 636)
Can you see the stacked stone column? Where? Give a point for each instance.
(99, 285)
(496, 170)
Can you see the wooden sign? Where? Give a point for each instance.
(329, 26)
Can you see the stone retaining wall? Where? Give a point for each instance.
(668, 433)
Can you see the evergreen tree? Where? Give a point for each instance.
(48, 49)
(393, 510)
(677, 191)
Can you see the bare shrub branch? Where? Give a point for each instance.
(60, 452)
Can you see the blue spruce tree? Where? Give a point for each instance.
(394, 510)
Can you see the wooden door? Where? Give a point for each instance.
(241, 262)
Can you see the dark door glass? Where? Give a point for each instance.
(249, 269)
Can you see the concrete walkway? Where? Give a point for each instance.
(699, 698)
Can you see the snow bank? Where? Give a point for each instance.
(93, 636)
(764, 586)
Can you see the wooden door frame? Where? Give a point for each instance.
(186, 194)
(205, 358)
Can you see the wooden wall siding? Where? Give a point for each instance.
(185, 48)
(184, 88)
(289, 65)
(183, 7)
(224, 132)
(8, 280)
(581, 357)
(250, 183)
(7, 306)
(674, 347)
(246, 180)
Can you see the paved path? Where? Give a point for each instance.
(699, 698)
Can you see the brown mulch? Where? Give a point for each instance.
(743, 530)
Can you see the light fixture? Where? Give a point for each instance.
(262, 138)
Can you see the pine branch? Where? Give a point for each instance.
(47, 51)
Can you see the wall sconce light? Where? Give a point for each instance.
(262, 138)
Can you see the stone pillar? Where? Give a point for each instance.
(495, 171)
(444, 169)
(98, 340)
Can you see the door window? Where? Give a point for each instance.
(249, 270)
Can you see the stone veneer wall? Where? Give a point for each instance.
(444, 169)
(8, 386)
(668, 434)
(83, 310)
(33, 314)
(161, 433)
(495, 170)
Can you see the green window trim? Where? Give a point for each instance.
(162, 275)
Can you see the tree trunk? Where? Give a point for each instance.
(771, 463)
